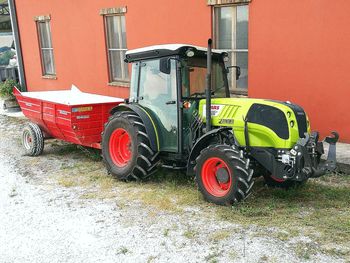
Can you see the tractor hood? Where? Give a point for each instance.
(270, 123)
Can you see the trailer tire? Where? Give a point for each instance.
(126, 149)
(225, 163)
(273, 182)
(32, 139)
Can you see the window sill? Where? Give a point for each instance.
(119, 84)
(238, 94)
(49, 77)
(227, 2)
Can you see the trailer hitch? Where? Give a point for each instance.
(330, 164)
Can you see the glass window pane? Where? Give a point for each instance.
(242, 27)
(231, 62)
(123, 33)
(238, 59)
(125, 65)
(115, 67)
(118, 68)
(134, 81)
(48, 62)
(242, 62)
(45, 34)
(224, 20)
(112, 23)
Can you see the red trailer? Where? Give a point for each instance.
(70, 115)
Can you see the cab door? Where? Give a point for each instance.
(157, 94)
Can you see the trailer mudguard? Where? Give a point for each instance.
(151, 129)
(203, 142)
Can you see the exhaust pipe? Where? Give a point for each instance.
(208, 87)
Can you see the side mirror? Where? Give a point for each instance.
(164, 65)
(238, 70)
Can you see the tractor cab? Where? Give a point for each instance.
(168, 82)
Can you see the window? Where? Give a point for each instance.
(116, 48)
(46, 50)
(231, 35)
(194, 72)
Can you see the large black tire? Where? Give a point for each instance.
(32, 139)
(138, 160)
(223, 174)
(273, 182)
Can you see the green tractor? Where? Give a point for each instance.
(180, 115)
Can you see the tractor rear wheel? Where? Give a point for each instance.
(272, 181)
(223, 174)
(32, 139)
(126, 147)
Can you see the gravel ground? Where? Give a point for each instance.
(42, 221)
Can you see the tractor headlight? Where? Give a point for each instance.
(190, 52)
(292, 124)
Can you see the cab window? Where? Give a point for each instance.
(194, 72)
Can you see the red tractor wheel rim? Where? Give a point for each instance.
(277, 179)
(210, 182)
(119, 147)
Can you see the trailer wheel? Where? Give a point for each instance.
(274, 182)
(32, 139)
(126, 149)
(223, 174)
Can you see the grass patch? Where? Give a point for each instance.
(169, 191)
(335, 179)
(220, 236)
(213, 257)
(166, 232)
(305, 250)
(286, 235)
(122, 250)
(190, 233)
(64, 148)
(88, 174)
(98, 195)
(66, 181)
(90, 195)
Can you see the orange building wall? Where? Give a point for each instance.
(300, 51)
(79, 42)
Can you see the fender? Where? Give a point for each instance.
(151, 129)
(203, 142)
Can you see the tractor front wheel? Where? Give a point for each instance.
(223, 174)
(126, 149)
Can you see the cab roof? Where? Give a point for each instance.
(166, 50)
